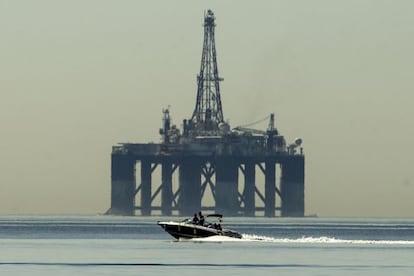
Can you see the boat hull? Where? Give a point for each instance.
(180, 230)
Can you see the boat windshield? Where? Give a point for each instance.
(209, 219)
(214, 219)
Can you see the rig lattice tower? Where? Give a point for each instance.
(208, 112)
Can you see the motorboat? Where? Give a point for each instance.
(192, 228)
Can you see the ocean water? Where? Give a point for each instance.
(105, 245)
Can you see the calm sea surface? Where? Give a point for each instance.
(104, 245)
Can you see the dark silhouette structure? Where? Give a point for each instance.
(209, 155)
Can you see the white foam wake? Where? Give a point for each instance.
(302, 240)
(323, 240)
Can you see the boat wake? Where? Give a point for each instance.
(302, 240)
(323, 240)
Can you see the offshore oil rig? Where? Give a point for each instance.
(208, 155)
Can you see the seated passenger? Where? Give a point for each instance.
(195, 219)
(201, 218)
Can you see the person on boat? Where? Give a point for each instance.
(200, 218)
(195, 219)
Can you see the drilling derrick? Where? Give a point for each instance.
(208, 113)
(218, 169)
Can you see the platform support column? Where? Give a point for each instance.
(189, 200)
(270, 188)
(249, 189)
(146, 188)
(226, 191)
(166, 190)
(122, 185)
(292, 187)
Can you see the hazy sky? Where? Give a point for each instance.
(77, 77)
